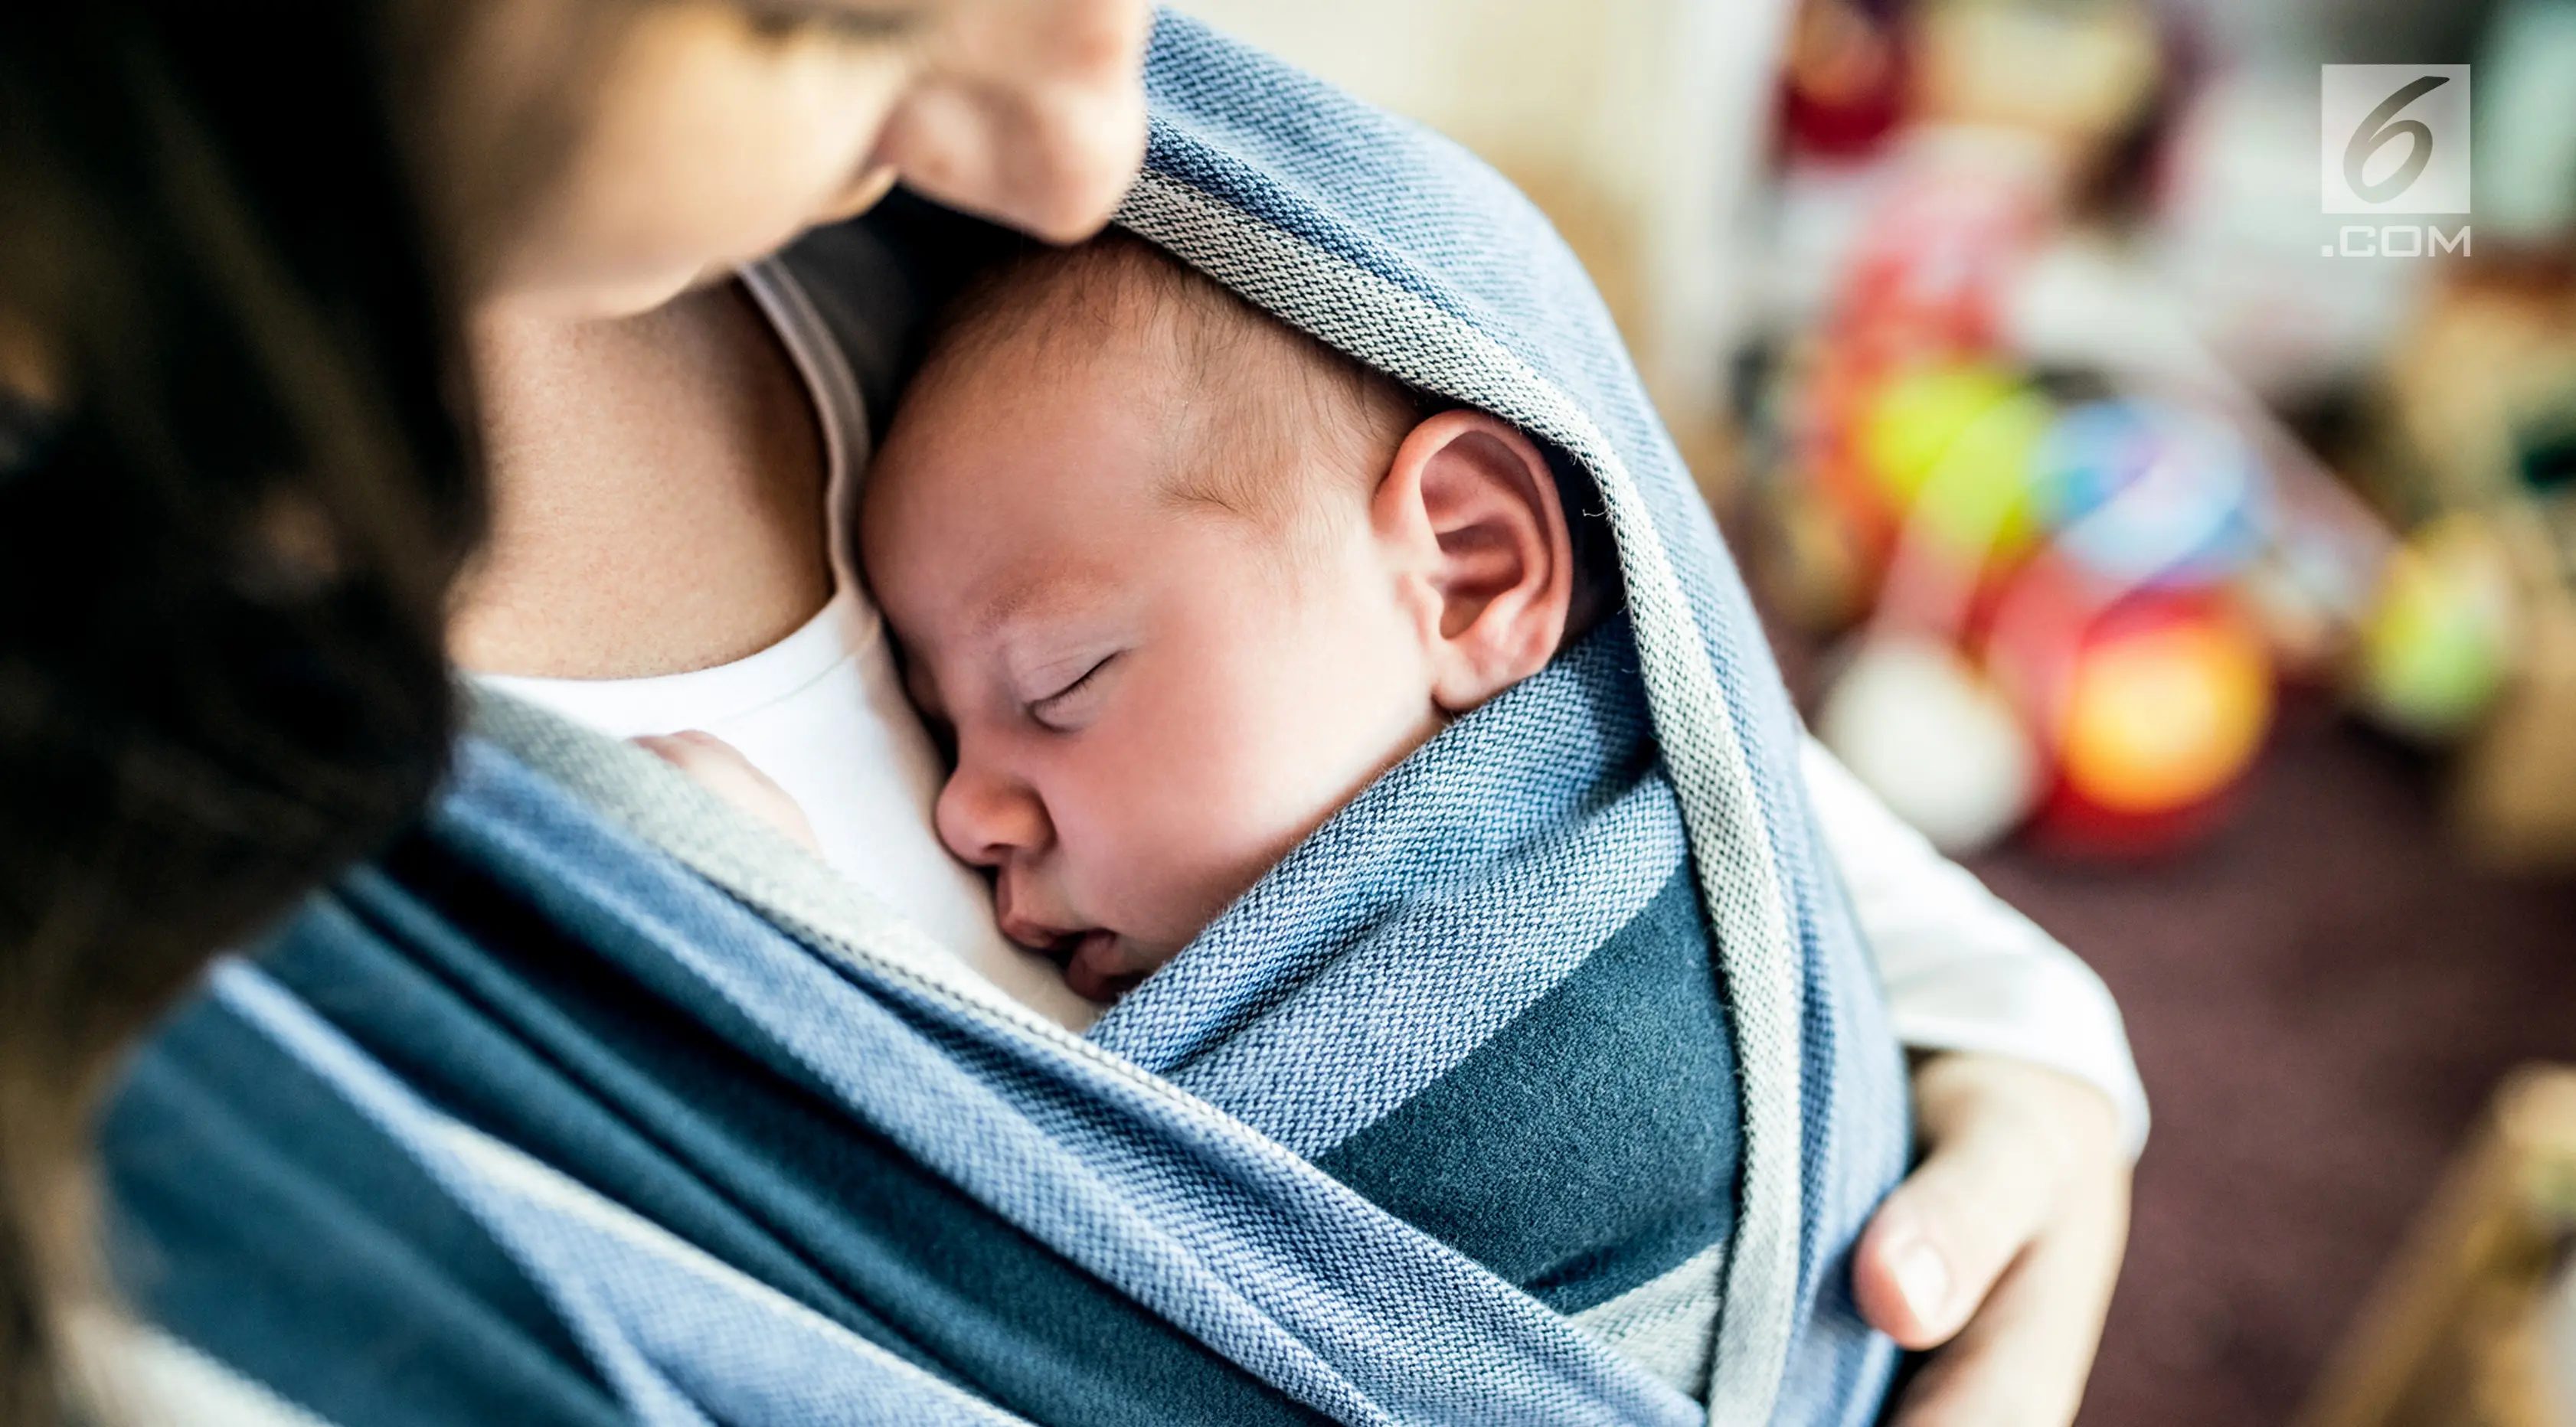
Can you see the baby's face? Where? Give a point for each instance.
(1149, 703)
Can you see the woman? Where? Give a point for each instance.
(234, 287)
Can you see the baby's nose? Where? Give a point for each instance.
(986, 818)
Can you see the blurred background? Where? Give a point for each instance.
(2155, 453)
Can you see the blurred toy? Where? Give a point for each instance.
(1843, 83)
(2440, 643)
(2480, 394)
(1926, 276)
(2077, 73)
(1913, 719)
(2081, 554)
(2052, 631)
(2120, 718)
(2157, 712)
(1951, 444)
(2311, 585)
(1912, 711)
(2144, 493)
(2472, 637)
(2164, 708)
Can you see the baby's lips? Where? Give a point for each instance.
(1094, 962)
(1029, 935)
(1100, 970)
(1025, 930)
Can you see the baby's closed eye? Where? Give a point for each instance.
(1073, 704)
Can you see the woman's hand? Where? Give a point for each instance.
(720, 768)
(2003, 1245)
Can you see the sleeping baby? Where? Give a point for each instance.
(1258, 674)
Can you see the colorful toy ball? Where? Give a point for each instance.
(1950, 445)
(2165, 707)
(2147, 494)
(2437, 647)
(1935, 741)
(2156, 714)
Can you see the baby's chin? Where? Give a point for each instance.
(1104, 966)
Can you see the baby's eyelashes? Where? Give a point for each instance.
(1072, 705)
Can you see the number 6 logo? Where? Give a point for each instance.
(2415, 114)
(2383, 125)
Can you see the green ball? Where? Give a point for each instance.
(2438, 647)
(1953, 447)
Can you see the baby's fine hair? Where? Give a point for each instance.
(1257, 410)
(1260, 412)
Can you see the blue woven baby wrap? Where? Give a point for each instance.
(1483, 995)
(572, 1110)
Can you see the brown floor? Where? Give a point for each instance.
(2320, 1001)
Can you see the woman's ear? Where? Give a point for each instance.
(1469, 513)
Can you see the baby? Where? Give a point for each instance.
(1174, 584)
(1174, 581)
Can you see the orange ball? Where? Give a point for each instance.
(2164, 712)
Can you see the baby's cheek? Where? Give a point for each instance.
(1203, 807)
(1256, 718)
(1197, 841)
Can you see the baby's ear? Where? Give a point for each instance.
(1471, 514)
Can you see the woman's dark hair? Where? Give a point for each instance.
(233, 493)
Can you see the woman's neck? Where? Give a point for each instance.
(657, 493)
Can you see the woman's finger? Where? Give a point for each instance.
(2022, 1361)
(721, 769)
(1940, 1242)
(2006, 1139)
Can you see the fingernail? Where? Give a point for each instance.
(1923, 1276)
